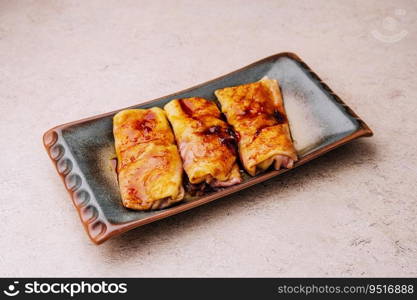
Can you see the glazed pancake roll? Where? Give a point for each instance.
(148, 163)
(256, 111)
(207, 144)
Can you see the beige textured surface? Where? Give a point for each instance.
(350, 213)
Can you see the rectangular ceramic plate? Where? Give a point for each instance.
(82, 151)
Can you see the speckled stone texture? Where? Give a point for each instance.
(349, 213)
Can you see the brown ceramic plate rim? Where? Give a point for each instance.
(100, 229)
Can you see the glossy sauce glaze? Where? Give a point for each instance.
(226, 136)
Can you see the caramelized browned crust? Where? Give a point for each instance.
(207, 144)
(257, 113)
(149, 166)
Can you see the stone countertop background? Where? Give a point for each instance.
(349, 213)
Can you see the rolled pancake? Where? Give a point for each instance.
(207, 144)
(256, 111)
(149, 166)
